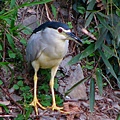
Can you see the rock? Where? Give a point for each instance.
(75, 75)
(16, 97)
(31, 22)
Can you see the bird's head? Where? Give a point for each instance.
(58, 30)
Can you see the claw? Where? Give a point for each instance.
(36, 103)
(54, 107)
(60, 109)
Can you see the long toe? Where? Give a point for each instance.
(36, 104)
(54, 107)
(60, 109)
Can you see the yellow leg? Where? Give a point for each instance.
(35, 101)
(53, 73)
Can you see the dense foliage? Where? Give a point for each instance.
(103, 55)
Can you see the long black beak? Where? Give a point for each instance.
(72, 36)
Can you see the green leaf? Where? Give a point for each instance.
(106, 48)
(54, 11)
(19, 77)
(102, 15)
(12, 4)
(92, 94)
(108, 65)
(27, 30)
(20, 117)
(12, 24)
(1, 82)
(1, 47)
(56, 85)
(44, 87)
(16, 87)
(28, 112)
(34, 3)
(99, 80)
(118, 117)
(89, 67)
(89, 19)
(104, 23)
(75, 85)
(2, 12)
(20, 83)
(90, 7)
(81, 9)
(4, 63)
(23, 41)
(45, 100)
(11, 41)
(70, 25)
(59, 101)
(118, 12)
(5, 108)
(101, 38)
(89, 50)
(7, 20)
(11, 54)
(74, 59)
(26, 4)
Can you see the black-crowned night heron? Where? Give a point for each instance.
(46, 48)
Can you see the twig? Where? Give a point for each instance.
(74, 100)
(41, 115)
(96, 23)
(11, 35)
(88, 33)
(10, 97)
(5, 116)
(4, 44)
(42, 11)
(46, 8)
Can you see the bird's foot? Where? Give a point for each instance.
(54, 107)
(36, 104)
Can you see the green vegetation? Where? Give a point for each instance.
(101, 56)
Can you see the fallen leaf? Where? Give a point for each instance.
(1, 110)
(32, 11)
(5, 102)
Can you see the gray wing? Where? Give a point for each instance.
(34, 47)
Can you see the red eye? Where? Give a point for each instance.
(60, 30)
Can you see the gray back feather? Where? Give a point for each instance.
(33, 47)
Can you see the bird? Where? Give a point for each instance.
(46, 48)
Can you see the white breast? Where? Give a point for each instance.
(52, 56)
(53, 48)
